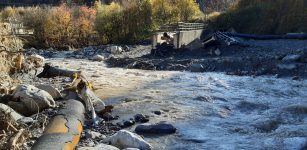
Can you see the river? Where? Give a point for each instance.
(210, 110)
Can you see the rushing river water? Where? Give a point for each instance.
(210, 110)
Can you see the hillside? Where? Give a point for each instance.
(264, 17)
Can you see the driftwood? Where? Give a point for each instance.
(267, 37)
(50, 72)
(82, 86)
(18, 138)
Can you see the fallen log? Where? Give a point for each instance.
(50, 72)
(64, 130)
(82, 86)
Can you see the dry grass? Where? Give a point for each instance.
(12, 135)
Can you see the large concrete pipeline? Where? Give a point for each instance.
(64, 130)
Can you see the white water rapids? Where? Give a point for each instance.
(210, 110)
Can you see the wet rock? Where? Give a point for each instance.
(140, 118)
(125, 139)
(99, 147)
(296, 78)
(197, 68)
(291, 58)
(160, 128)
(267, 126)
(296, 109)
(287, 66)
(157, 112)
(246, 106)
(126, 123)
(32, 99)
(8, 110)
(131, 149)
(51, 90)
(98, 58)
(92, 134)
(108, 116)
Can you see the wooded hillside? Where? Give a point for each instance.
(265, 17)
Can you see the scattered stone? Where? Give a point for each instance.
(98, 58)
(131, 149)
(92, 134)
(140, 118)
(8, 110)
(126, 124)
(51, 90)
(32, 99)
(99, 147)
(157, 112)
(291, 58)
(108, 116)
(160, 128)
(197, 68)
(125, 139)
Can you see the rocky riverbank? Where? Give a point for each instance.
(179, 109)
(280, 58)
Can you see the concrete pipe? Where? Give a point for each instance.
(64, 130)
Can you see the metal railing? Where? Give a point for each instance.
(182, 26)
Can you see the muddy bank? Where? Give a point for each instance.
(257, 57)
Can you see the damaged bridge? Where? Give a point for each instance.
(182, 35)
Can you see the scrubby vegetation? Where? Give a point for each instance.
(264, 17)
(67, 26)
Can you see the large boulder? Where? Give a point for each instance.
(159, 128)
(125, 139)
(51, 90)
(32, 99)
(8, 110)
(99, 147)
